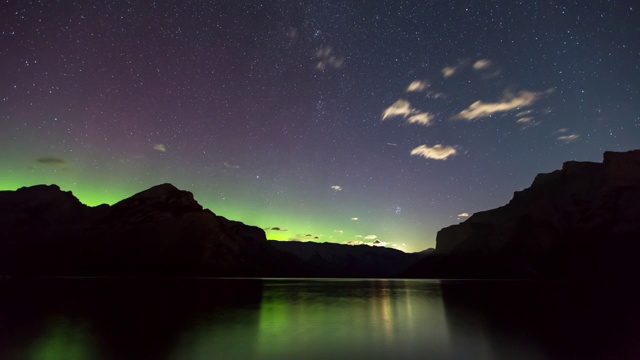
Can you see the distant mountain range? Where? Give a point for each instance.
(579, 222)
(359, 261)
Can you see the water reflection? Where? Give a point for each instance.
(64, 338)
(325, 319)
(328, 319)
(301, 318)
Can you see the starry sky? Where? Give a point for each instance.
(374, 122)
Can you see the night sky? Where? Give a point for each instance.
(340, 121)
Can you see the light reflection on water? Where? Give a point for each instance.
(287, 318)
(328, 319)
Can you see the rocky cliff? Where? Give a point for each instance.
(160, 231)
(581, 221)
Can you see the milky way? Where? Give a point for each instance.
(350, 122)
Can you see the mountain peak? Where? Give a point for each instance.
(164, 196)
(43, 194)
(165, 189)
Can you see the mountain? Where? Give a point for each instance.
(340, 260)
(582, 221)
(160, 231)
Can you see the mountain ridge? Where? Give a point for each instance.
(581, 221)
(577, 222)
(159, 231)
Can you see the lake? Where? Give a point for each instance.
(116, 318)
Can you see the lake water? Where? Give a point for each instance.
(311, 319)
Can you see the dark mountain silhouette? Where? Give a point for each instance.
(340, 260)
(160, 231)
(582, 221)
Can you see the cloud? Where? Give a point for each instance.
(417, 85)
(355, 242)
(359, 236)
(275, 228)
(339, 231)
(481, 109)
(524, 113)
(370, 237)
(52, 160)
(336, 188)
(423, 118)
(448, 71)
(326, 58)
(354, 219)
(527, 122)
(436, 95)
(399, 108)
(403, 108)
(307, 237)
(159, 147)
(464, 214)
(376, 243)
(437, 152)
(230, 166)
(392, 144)
(569, 138)
(481, 64)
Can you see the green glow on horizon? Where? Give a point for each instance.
(323, 220)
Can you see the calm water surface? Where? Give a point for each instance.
(311, 319)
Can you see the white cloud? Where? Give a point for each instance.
(437, 152)
(359, 236)
(481, 64)
(336, 188)
(403, 108)
(569, 138)
(325, 58)
(561, 131)
(417, 85)
(527, 122)
(399, 108)
(339, 231)
(230, 166)
(481, 109)
(354, 219)
(370, 237)
(423, 118)
(159, 147)
(524, 113)
(375, 243)
(448, 71)
(464, 214)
